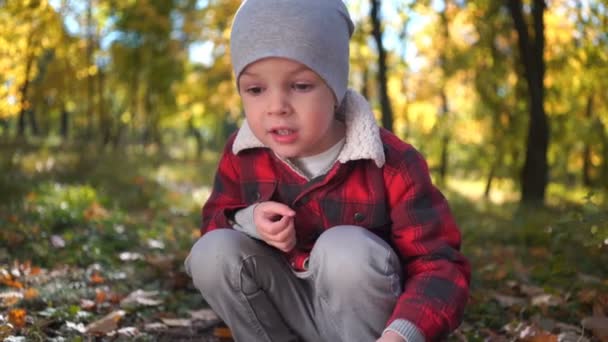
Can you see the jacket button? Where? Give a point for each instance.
(359, 217)
(257, 196)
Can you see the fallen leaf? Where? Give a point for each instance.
(204, 315)
(156, 326)
(140, 297)
(508, 301)
(543, 337)
(222, 332)
(87, 304)
(571, 337)
(598, 325)
(100, 296)
(57, 241)
(129, 332)
(106, 324)
(531, 290)
(5, 331)
(177, 322)
(95, 211)
(96, 278)
(17, 317)
(587, 295)
(76, 326)
(546, 300)
(30, 293)
(130, 256)
(10, 280)
(589, 279)
(10, 298)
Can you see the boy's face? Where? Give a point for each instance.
(289, 107)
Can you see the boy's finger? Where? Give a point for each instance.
(276, 208)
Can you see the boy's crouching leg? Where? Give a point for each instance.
(237, 276)
(358, 279)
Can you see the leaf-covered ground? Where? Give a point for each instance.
(92, 245)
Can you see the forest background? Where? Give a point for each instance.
(112, 115)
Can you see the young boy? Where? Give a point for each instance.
(332, 228)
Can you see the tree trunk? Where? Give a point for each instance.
(365, 85)
(24, 88)
(64, 123)
(587, 149)
(89, 63)
(534, 177)
(387, 111)
(604, 138)
(444, 112)
(105, 121)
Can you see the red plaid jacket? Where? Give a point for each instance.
(396, 201)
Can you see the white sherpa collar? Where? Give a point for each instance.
(362, 133)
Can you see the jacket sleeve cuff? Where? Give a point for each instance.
(405, 329)
(244, 221)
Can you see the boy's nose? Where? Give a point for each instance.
(278, 103)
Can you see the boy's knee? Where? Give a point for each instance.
(212, 255)
(350, 254)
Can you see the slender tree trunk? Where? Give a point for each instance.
(89, 62)
(387, 111)
(64, 123)
(24, 88)
(197, 136)
(444, 113)
(105, 121)
(365, 85)
(33, 120)
(587, 149)
(534, 178)
(604, 139)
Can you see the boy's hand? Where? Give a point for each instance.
(274, 223)
(390, 336)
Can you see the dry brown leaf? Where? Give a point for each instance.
(10, 280)
(106, 324)
(544, 337)
(598, 310)
(11, 298)
(222, 332)
(95, 211)
(96, 278)
(17, 317)
(100, 296)
(587, 295)
(598, 325)
(87, 304)
(30, 293)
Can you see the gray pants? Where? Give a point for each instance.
(347, 294)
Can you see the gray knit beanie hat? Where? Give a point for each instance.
(315, 33)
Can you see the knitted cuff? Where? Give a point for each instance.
(405, 329)
(244, 221)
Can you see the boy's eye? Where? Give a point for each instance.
(254, 90)
(302, 86)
